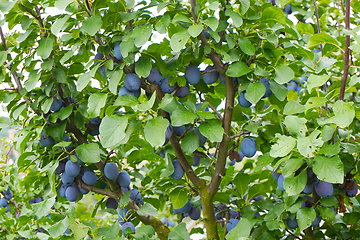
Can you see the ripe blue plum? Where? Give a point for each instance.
(165, 86)
(281, 182)
(136, 196)
(185, 209)
(100, 57)
(196, 160)
(231, 224)
(266, 83)
(72, 169)
(183, 91)
(292, 85)
(178, 170)
(241, 156)
(211, 75)
(56, 104)
(248, 147)
(316, 221)
(31, 201)
(61, 168)
(38, 199)
(243, 101)
(132, 82)
(96, 120)
(232, 163)
(112, 203)
(312, 179)
(67, 180)
(127, 228)
(46, 141)
(117, 51)
(171, 224)
(292, 223)
(62, 190)
(169, 131)
(84, 169)
(194, 213)
(123, 90)
(124, 215)
(111, 170)
(308, 189)
(324, 189)
(67, 231)
(155, 77)
(94, 129)
(123, 179)
(288, 9)
(234, 214)
(276, 173)
(192, 75)
(179, 130)
(3, 202)
(272, 1)
(89, 178)
(72, 193)
(351, 188)
(202, 138)
(83, 190)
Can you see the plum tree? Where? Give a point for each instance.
(94, 87)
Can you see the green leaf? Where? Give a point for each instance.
(112, 130)
(169, 167)
(212, 22)
(179, 233)
(308, 145)
(42, 209)
(61, 4)
(279, 90)
(45, 47)
(92, 24)
(195, 30)
(275, 212)
(88, 153)
(143, 67)
(95, 103)
(237, 69)
(190, 142)
(60, 75)
(65, 112)
(148, 209)
(241, 182)
(315, 102)
(141, 34)
(236, 18)
(31, 82)
(295, 185)
(126, 100)
(147, 105)
(3, 56)
(246, 46)
(244, 6)
(273, 15)
(241, 231)
(321, 38)
(291, 165)
(85, 78)
(56, 131)
(296, 125)
(178, 197)
(329, 169)
(155, 131)
(293, 107)
(327, 132)
(254, 92)
(80, 230)
(114, 81)
(304, 28)
(59, 24)
(283, 146)
(283, 74)
(182, 116)
(125, 199)
(6, 6)
(305, 216)
(169, 103)
(213, 130)
(58, 228)
(344, 114)
(354, 80)
(178, 40)
(315, 81)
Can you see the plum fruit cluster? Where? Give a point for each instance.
(189, 210)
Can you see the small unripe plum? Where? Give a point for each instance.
(72, 193)
(155, 77)
(117, 51)
(111, 170)
(132, 82)
(178, 170)
(243, 101)
(89, 178)
(292, 223)
(249, 147)
(183, 91)
(56, 104)
(123, 179)
(165, 86)
(211, 75)
(192, 74)
(266, 83)
(324, 189)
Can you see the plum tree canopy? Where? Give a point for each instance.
(221, 119)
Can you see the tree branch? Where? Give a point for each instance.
(347, 52)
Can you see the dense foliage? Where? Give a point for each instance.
(134, 118)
